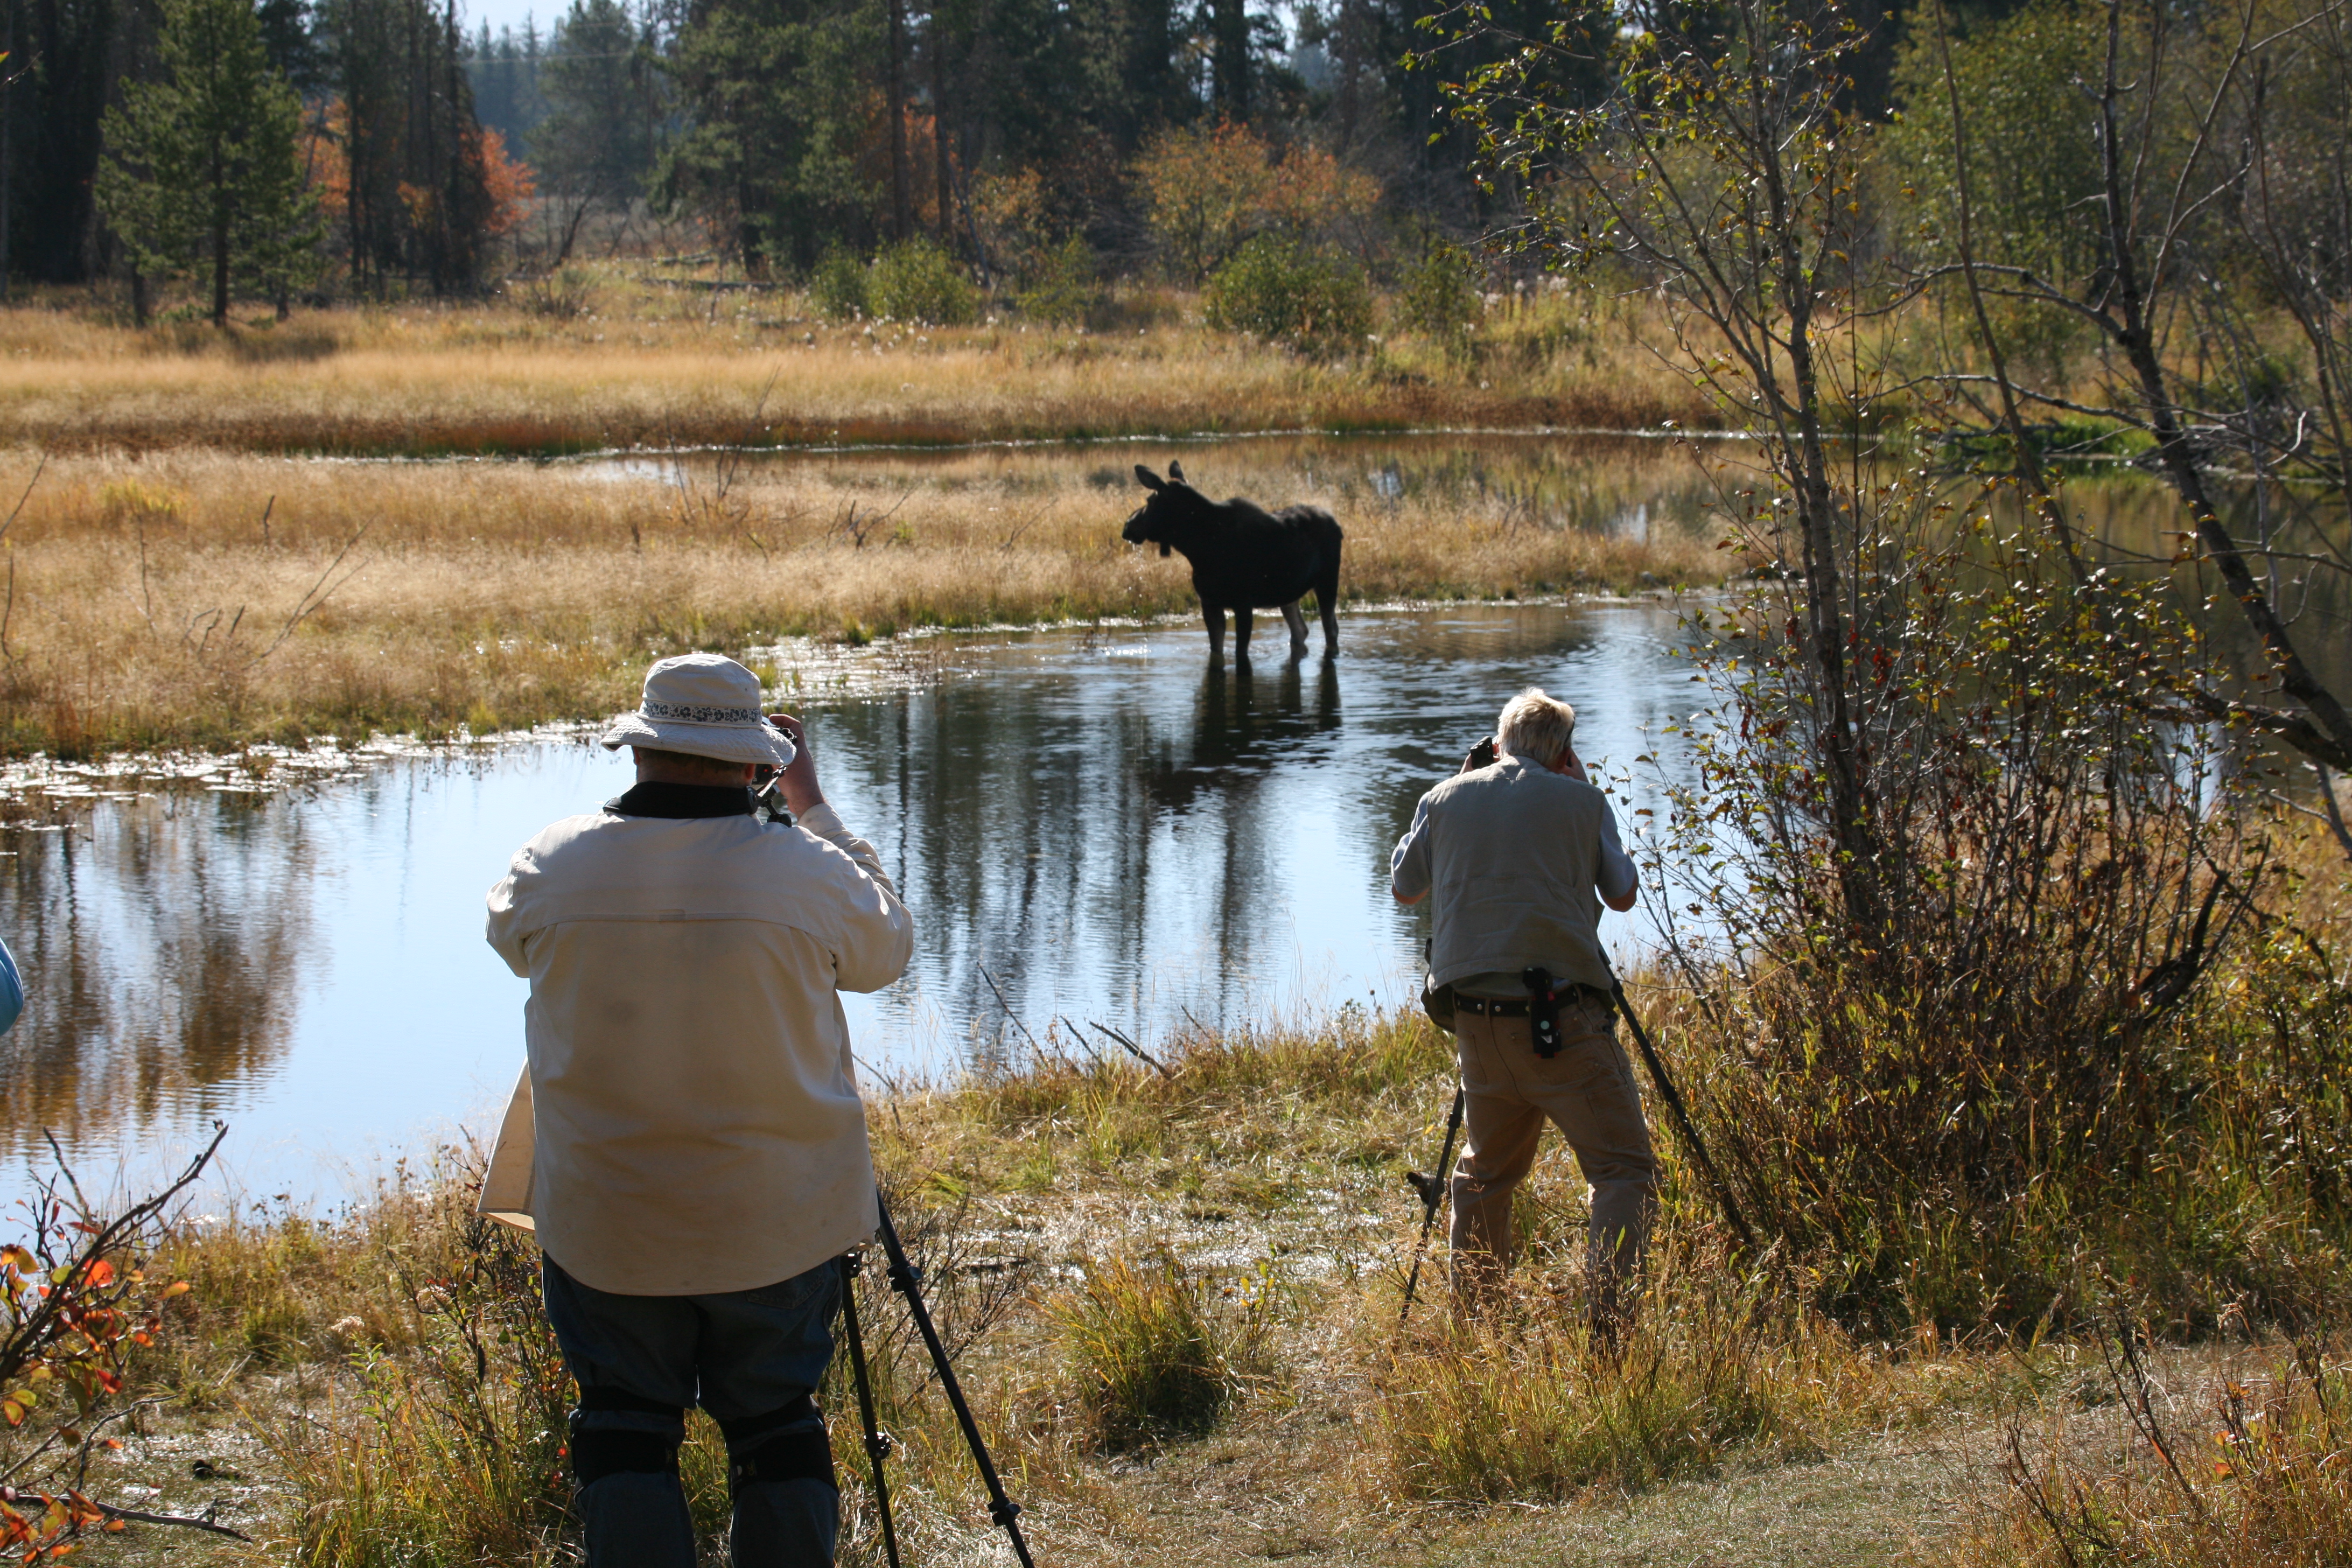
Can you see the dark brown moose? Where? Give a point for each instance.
(1244, 558)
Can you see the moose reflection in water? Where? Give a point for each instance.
(1243, 729)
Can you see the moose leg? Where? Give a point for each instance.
(1242, 613)
(1327, 599)
(1215, 615)
(1296, 622)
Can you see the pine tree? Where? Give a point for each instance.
(200, 173)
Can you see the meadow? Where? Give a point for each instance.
(218, 540)
(1174, 1291)
(209, 599)
(676, 360)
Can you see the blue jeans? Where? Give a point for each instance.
(752, 1359)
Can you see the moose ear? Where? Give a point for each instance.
(1176, 470)
(1149, 479)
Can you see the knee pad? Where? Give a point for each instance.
(598, 1451)
(788, 1443)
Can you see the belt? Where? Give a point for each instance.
(1516, 1006)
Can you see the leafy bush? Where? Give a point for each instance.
(1061, 287)
(1977, 1041)
(1441, 298)
(838, 287)
(915, 280)
(1276, 288)
(1157, 1354)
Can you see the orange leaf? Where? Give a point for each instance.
(101, 1272)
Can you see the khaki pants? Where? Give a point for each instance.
(1509, 1092)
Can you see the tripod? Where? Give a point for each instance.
(906, 1279)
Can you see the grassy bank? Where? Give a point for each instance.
(1175, 1289)
(641, 364)
(201, 598)
(1175, 1298)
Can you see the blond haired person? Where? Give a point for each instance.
(1518, 856)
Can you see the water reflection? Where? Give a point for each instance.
(1102, 827)
(1097, 820)
(162, 941)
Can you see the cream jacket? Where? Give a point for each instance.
(689, 1121)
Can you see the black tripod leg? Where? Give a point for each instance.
(1683, 1123)
(878, 1447)
(907, 1282)
(1432, 1190)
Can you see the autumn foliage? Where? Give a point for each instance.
(76, 1304)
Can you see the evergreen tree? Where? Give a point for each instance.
(200, 171)
(596, 145)
(780, 96)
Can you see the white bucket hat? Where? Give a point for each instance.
(706, 705)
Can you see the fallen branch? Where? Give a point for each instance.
(1138, 1052)
(202, 1522)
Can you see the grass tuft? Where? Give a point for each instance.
(1160, 1352)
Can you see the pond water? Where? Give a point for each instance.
(1091, 826)
(1094, 825)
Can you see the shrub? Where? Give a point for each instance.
(1441, 298)
(837, 287)
(1278, 288)
(2007, 1024)
(1157, 1354)
(1061, 286)
(915, 280)
(562, 294)
(2250, 1472)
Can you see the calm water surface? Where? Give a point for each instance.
(1097, 822)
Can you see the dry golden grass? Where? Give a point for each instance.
(659, 367)
(1260, 1180)
(148, 600)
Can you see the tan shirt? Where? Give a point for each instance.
(689, 1121)
(1513, 857)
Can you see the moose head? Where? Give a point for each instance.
(1172, 500)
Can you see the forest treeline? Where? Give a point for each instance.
(382, 145)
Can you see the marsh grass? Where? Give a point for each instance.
(1160, 1352)
(1515, 1403)
(630, 365)
(2240, 1467)
(200, 599)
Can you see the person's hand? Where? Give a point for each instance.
(798, 784)
(1481, 755)
(1574, 767)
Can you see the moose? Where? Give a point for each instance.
(1244, 558)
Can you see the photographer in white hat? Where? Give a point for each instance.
(687, 1141)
